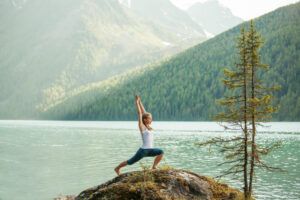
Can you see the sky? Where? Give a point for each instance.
(245, 9)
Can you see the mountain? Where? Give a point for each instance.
(50, 48)
(163, 12)
(187, 86)
(213, 17)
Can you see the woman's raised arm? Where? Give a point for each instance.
(139, 111)
(141, 106)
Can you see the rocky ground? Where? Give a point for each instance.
(160, 184)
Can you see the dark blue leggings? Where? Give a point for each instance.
(144, 153)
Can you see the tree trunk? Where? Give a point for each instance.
(253, 110)
(245, 124)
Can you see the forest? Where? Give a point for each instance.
(187, 86)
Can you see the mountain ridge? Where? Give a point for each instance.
(213, 17)
(50, 48)
(187, 82)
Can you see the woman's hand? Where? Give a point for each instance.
(137, 98)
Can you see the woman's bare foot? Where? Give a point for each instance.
(117, 170)
(122, 164)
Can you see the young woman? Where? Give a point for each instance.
(147, 149)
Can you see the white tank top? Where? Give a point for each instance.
(147, 137)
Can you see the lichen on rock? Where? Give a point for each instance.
(161, 184)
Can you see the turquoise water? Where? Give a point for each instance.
(43, 159)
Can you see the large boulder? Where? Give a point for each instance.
(160, 184)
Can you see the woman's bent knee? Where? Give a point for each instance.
(155, 152)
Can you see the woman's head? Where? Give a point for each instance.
(147, 119)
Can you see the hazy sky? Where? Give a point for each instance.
(245, 9)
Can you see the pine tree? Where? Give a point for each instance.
(260, 107)
(236, 114)
(248, 104)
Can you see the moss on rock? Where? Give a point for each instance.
(161, 184)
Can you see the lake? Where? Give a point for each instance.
(43, 159)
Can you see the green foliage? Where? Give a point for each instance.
(248, 104)
(187, 86)
(48, 49)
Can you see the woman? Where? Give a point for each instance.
(147, 149)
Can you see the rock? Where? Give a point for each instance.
(65, 197)
(160, 184)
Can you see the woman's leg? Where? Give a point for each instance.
(138, 156)
(157, 160)
(158, 153)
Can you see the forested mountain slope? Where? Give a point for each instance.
(187, 86)
(49, 48)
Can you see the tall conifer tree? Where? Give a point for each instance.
(248, 104)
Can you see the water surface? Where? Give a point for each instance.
(43, 159)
